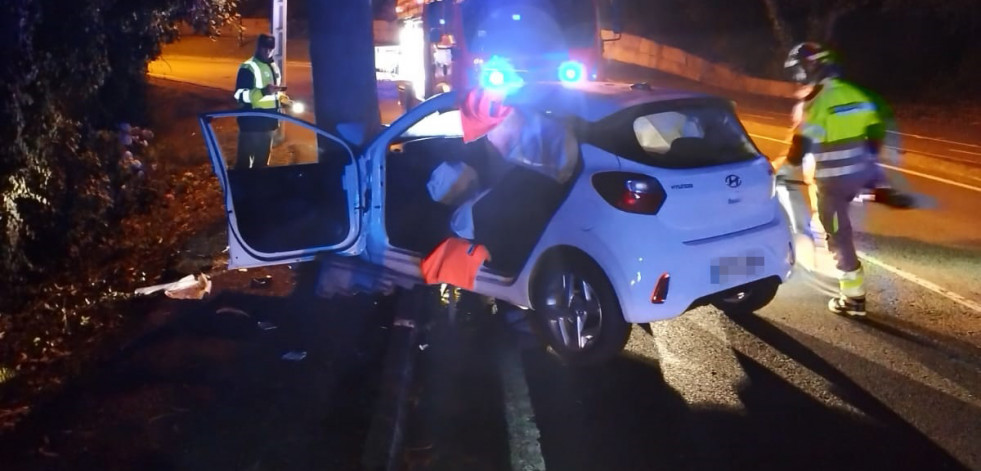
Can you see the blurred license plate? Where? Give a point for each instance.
(725, 270)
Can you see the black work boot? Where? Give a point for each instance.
(847, 305)
(891, 197)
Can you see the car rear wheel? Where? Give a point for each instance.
(578, 312)
(748, 299)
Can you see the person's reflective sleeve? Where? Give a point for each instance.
(244, 83)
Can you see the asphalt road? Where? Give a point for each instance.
(793, 387)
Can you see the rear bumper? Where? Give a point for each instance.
(738, 259)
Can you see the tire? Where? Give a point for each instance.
(590, 290)
(747, 300)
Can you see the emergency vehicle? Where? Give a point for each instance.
(460, 44)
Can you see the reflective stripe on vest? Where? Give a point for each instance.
(256, 72)
(277, 75)
(837, 122)
(840, 161)
(244, 95)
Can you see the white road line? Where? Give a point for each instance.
(941, 156)
(972, 305)
(758, 116)
(768, 112)
(964, 151)
(523, 433)
(936, 139)
(902, 170)
(766, 138)
(931, 177)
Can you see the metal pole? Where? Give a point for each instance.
(278, 26)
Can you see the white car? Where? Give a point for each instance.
(671, 207)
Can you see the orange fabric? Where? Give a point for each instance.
(481, 111)
(455, 261)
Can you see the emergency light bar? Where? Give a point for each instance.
(572, 72)
(498, 74)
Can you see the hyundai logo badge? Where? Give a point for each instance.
(733, 181)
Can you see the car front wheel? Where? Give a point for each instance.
(578, 312)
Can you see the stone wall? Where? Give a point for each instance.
(644, 52)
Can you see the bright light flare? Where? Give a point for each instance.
(572, 72)
(298, 107)
(498, 73)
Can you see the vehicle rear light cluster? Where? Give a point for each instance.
(660, 292)
(630, 192)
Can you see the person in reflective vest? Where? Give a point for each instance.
(257, 87)
(841, 133)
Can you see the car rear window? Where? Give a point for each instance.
(679, 135)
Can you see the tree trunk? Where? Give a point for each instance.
(342, 56)
(780, 29)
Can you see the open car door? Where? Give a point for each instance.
(305, 200)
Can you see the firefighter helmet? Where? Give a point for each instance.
(809, 63)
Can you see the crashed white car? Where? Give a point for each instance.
(669, 206)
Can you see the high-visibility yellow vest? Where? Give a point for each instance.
(837, 121)
(265, 74)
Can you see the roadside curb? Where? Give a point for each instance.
(383, 446)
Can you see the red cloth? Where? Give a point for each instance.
(455, 261)
(481, 111)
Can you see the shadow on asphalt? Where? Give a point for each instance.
(458, 419)
(624, 416)
(208, 390)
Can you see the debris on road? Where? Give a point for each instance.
(262, 281)
(402, 322)
(232, 310)
(295, 355)
(264, 325)
(189, 287)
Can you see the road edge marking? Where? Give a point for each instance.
(936, 139)
(963, 301)
(523, 435)
(932, 177)
(964, 151)
(891, 167)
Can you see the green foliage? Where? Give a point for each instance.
(72, 70)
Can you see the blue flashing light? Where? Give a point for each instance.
(572, 72)
(516, 17)
(498, 73)
(442, 21)
(495, 78)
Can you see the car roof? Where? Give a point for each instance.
(593, 101)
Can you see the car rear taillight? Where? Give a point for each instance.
(660, 292)
(630, 192)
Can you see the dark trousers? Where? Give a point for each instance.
(834, 199)
(253, 149)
